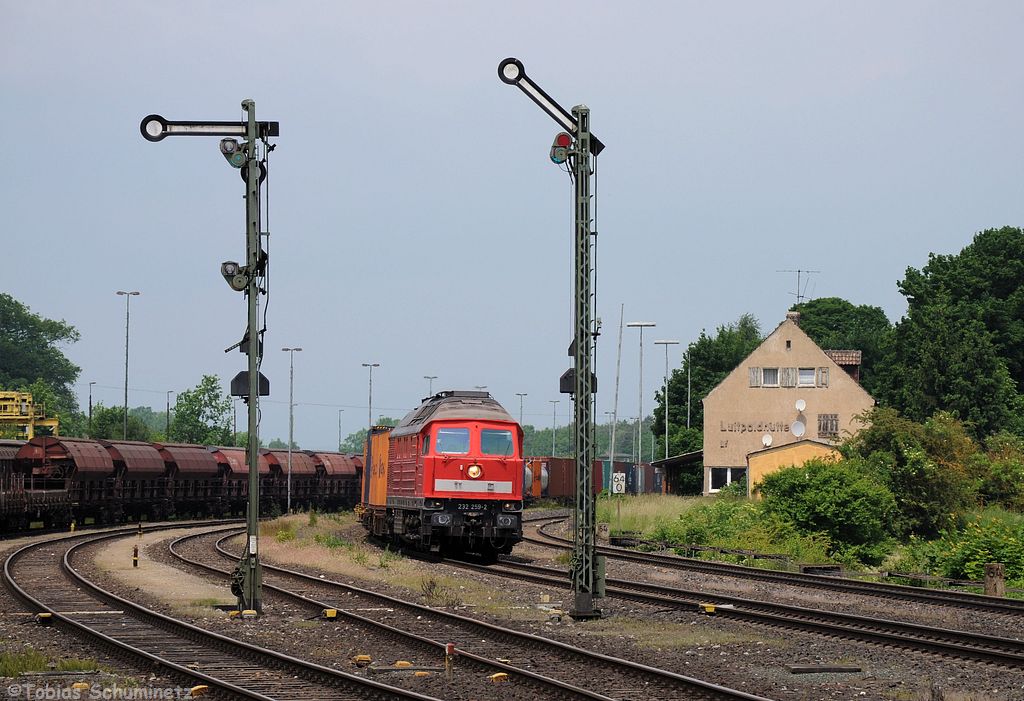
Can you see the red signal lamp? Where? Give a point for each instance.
(560, 148)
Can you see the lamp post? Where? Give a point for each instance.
(430, 384)
(340, 412)
(127, 316)
(666, 344)
(611, 448)
(521, 395)
(167, 433)
(369, 408)
(90, 408)
(291, 417)
(640, 409)
(687, 388)
(554, 406)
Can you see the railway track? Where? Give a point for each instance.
(963, 645)
(943, 597)
(555, 669)
(43, 575)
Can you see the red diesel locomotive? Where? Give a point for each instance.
(448, 478)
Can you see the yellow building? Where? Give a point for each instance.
(20, 418)
(786, 391)
(763, 462)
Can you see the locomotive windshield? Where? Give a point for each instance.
(496, 442)
(453, 440)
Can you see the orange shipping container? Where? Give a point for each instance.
(375, 474)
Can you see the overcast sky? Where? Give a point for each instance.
(415, 218)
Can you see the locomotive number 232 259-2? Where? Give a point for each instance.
(469, 506)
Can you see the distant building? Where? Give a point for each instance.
(786, 391)
(763, 462)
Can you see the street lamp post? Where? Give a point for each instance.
(340, 412)
(640, 410)
(554, 406)
(430, 384)
(687, 388)
(369, 408)
(666, 344)
(90, 408)
(521, 395)
(291, 417)
(127, 315)
(611, 448)
(167, 433)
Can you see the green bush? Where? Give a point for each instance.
(841, 500)
(740, 524)
(993, 535)
(284, 535)
(925, 466)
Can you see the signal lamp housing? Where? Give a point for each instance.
(560, 148)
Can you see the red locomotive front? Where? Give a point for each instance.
(454, 471)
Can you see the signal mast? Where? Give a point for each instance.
(576, 145)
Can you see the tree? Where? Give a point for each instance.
(835, 323)
(108, 423)
(354, 442)
(943, 358)
(924, 464)
(202, 415)
(155, 421)
(278, 444)
(708, 360)
(30, 354)
(988, 276)
(960, 348)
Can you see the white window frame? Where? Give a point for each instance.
(765, 382)
(728, 477)
(812, 382)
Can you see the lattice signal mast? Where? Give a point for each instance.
(575, 146)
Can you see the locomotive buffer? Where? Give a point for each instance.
(576, 145)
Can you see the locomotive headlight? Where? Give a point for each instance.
(474, 471)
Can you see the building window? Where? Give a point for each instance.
(724, 476)
(823, 377)
(769, 377)
(828, 425)
(807, 377)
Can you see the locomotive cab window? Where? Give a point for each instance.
(426, 443)
(496, 442)
(453, 440)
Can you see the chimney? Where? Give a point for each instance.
(794, 317)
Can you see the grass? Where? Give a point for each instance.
(642, 513)
(719, 522)
(14, 663)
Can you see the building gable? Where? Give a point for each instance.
(756, 405)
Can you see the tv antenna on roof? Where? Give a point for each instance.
(800, 289)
